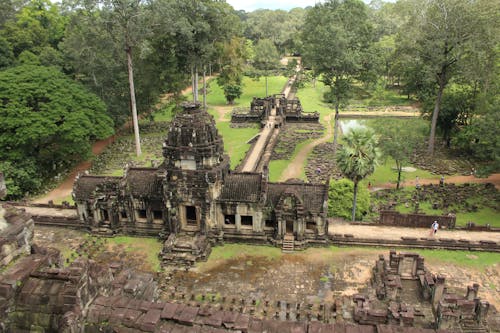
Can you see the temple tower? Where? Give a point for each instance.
(195, 167)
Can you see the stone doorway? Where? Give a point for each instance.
(289, 227)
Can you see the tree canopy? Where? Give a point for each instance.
(47, 123)
(357, 158)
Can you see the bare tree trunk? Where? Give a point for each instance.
(195, 87)
(204, 89)
(354, 197)
(266, 87)
(132, 101)
(399, 166)
(336, 127)
(192, 83)
(435, 113)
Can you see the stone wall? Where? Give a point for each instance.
(393, 218)
(15, 238)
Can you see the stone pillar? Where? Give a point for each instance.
(438, 291)
(482, 311)
(237, 221)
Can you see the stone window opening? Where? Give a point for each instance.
(105, 215)
(191, 215)
(246, 221)
(142, 215)
(311, 226)
(123, 215)
(229, 220)
(157, 215)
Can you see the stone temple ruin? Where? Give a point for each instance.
(287, 110)
(41, 293)
(193, 200)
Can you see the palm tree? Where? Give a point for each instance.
(358, 157)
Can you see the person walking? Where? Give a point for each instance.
(434, 228)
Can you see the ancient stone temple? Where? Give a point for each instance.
(193, 199)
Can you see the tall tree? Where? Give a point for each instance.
(336, 38)
(399, 139)
(440, 34)
(266, 58)
(47, 123)
(231, 73)
(357, 158)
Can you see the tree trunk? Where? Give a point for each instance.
(354, 197)
(195, 87)
(435, 113)
(133, 105)
(336, 127)
(399, 166)
(266, 87)
(192, 83)
(204, 89)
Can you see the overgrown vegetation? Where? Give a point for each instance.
(340, 200)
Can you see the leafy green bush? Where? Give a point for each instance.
(340, 196)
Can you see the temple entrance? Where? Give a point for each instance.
(289, 227)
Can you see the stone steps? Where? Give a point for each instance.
(288, 244)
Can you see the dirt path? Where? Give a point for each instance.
(64, 189)
(493, 178)
(222, 111)
(395, 233)
(294, 169)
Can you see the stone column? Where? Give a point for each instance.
(438, 291)
(237, 221)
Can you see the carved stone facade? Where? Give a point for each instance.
(194, 193)
(290, 110)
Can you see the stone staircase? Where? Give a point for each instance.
(288, 243)
(471, 326)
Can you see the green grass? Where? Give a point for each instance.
(276, 167)
(477, 260)
(251, 88)
(68, 198)
(232, 251)
(311, 99)
(166, 113)
(386, 173)
(148, 247)
(235, 141)
(483, 215)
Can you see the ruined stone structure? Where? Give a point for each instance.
(450, 311)
(194, 200)
(287, 110)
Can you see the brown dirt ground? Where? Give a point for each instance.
(311, 275)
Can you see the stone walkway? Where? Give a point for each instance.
(395, 233)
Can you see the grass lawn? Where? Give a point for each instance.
(311, 99)
(386, 173)
(251, 88)
(477, 260)
(483, 216)
(276, 167)
(147, 248)
(235, 140)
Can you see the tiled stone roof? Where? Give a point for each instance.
(85, 186)
(242, 187)
(311, 195)
(142, 182)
